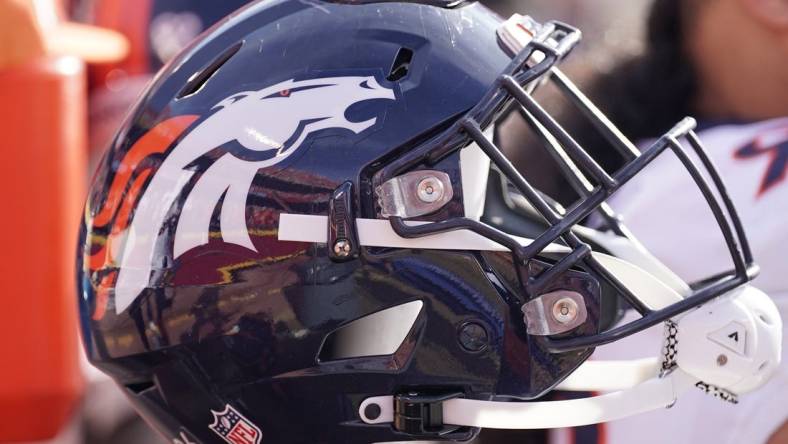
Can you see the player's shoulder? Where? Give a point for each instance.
(754, 155)
(734, 135)
(753, 161)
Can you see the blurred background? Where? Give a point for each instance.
(69, 71)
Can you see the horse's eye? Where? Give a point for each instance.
(282, 93)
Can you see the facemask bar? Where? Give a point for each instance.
(536, 63)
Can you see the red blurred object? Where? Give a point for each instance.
(43, 121)
(132, 20)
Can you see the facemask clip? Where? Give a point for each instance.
(414, 194)
(554, 313)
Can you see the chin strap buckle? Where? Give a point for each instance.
(422, 415)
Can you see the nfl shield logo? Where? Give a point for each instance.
(234, 428)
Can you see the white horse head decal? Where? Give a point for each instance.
(272, 122)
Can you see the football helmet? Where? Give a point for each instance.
(285, 242)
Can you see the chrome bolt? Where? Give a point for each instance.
(342, 248)
(722, 360)
(565, 310)
(430, 189)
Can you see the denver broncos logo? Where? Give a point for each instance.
(269, 124)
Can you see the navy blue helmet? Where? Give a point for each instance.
(287, 240)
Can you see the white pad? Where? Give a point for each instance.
(733, 342)
(635, 253)
(644, 285)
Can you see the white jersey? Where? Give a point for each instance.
(667, 213)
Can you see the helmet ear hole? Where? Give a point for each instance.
(140, 387)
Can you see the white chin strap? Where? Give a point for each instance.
(727, 347)
(647, 395)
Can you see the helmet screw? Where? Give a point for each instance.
(430, 189)
(473, 337)
(342, 248)
(565, 310)
(722, 360)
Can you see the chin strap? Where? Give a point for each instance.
(729, 346)
(654, 393)
(609, 376)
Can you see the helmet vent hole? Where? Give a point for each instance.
(376, 334)
(765, 319)
(401, 65)
(198, 80)
(139, 387)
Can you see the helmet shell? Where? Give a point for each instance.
(223, 322)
